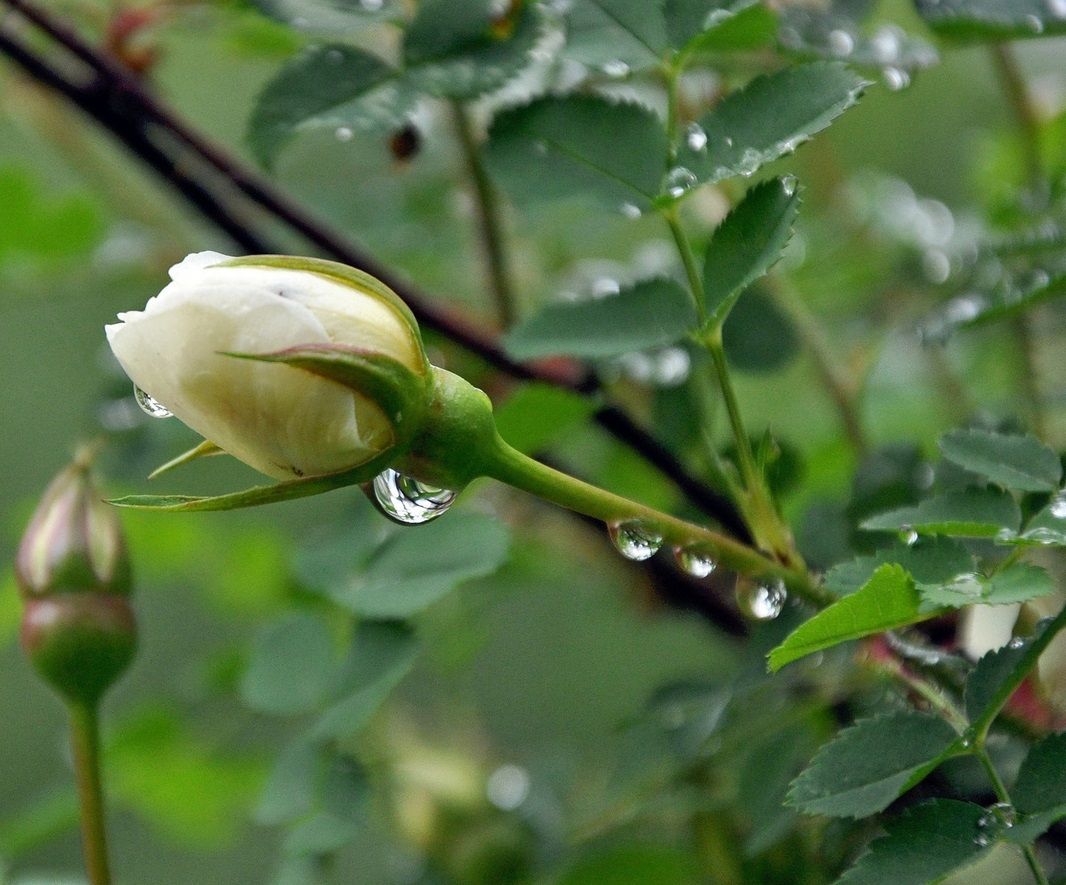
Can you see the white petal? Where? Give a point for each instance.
(280, 420)
(195, 262)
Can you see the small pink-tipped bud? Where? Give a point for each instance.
(79, 642)
(74, 541)
(73, 571)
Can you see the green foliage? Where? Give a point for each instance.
(579, 145)
(1014, 462)
(1041, 784)
(747, 244)
(926, 842)
(646, 314)
(290, 666)
(992, 19)
(970, 513)
(866, 767)
(769, 119)
(887, 601)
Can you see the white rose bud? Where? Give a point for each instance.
(335, 376)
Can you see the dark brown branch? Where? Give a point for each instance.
(122, 105)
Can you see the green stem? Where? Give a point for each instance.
(488, 216)
(688, 260)
(745, 457)
(85, 742)
(1021, 103)
(1000, 789)
(512, 467)
(835, 377)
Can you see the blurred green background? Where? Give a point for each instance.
(546, 665)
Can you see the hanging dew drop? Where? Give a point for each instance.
(149, 404)
(695, 137)
(908, 535)
(699, 565)
(634, 540)
(761, 600)
(409, 501)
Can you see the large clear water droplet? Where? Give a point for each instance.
(149, 404)
(679, 180)
(634, 540)
(761, 600)
(696, 137)
(409, 501)
(699, 565)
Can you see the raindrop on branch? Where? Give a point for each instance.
(699, 565)
(761, 600)
(634, 540)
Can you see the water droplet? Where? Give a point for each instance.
(968, 584)
(699, 565)
(615, 68)
(630, 210)
(908, 535)
(749, 162)
(981, 840)
(1003, 536)
(1057, 508)
(604, 287)
(727, 141)
(1044, 536)
(372, 5)
(993, 822)
(678, 180)
(1016, 643)
(896, 78)
(1057, 8)
(761, 600)
(149, 404)
(540, 147)
(841, 43)
(936, 266)
(695, 137)
(885, 44)
(343, 133)
(408, 501)
(1034, 24)
(507, 787)
(634, 540)
(788, 183)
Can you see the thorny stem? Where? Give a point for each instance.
(835, 378)
(85, 743)
(1002, 794)
(488, 216)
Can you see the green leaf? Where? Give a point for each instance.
(992, 19)
(463, 49)
(382, 654)
(1041, 784)
(1047, 528)
(1018, 583)
(612, 152)
(969, 513)
(887, 601)
(291, 665)
(769, 118)
(999, 673)
(1014, 462)
(866, 767)
(646, 314)
(930, 561)
(747, 244)
(326, 86)
(924, 843)
(290, 789)
(758, 337)
(718, 25)
(342, 16)
(416, 567)
(616, 34)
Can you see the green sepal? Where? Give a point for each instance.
(205, 449)
(401, 394)
(258, 495)
(344, 274)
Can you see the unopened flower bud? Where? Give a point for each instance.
(74, 541)
(73, 571)
(80, 643)
(297, 367)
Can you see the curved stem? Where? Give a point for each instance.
(512, 467)
(85, 743)
(1000, 789)
(488, 215)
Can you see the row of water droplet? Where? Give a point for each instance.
(760, 600)
(410, 501)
